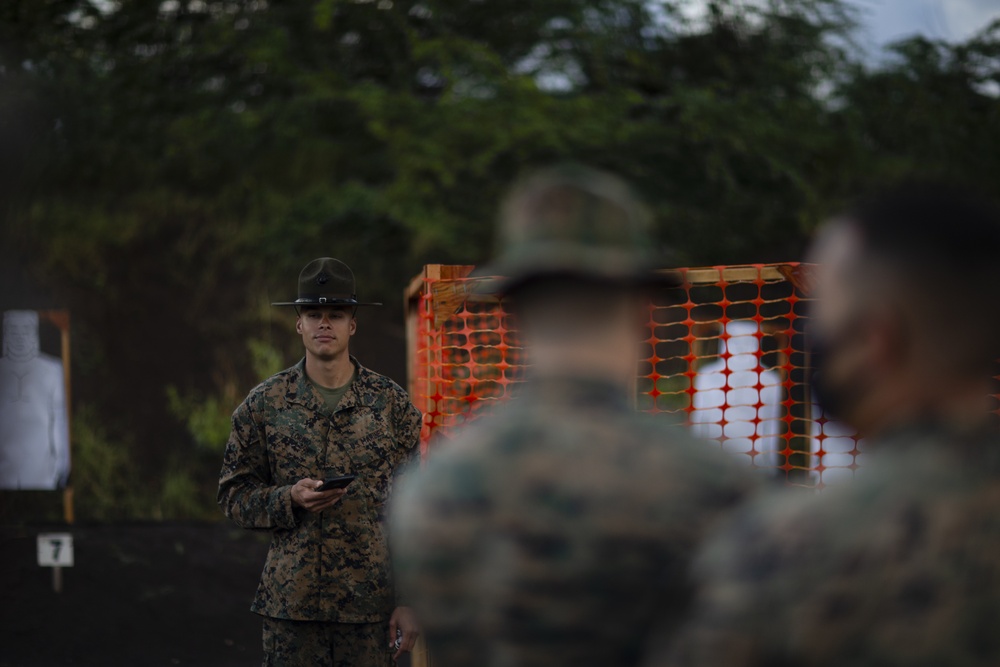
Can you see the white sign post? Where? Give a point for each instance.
(55, 550)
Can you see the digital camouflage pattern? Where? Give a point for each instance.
(311, 643)
(900, 568)
(557, 530)
(334, 565)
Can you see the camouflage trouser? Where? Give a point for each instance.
(311, 643)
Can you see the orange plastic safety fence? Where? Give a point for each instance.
(725, 351)
(465, 363)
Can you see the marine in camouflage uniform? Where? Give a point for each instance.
(903, 566)
(326, 592)
(558, 530)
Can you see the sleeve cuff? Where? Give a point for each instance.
(280, 508)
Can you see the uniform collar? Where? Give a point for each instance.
(302, 392)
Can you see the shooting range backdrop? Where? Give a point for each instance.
(465, 357)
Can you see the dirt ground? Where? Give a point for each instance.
(139, 594)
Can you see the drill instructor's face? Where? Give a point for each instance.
(326, 330)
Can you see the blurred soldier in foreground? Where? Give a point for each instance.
(34, 429)
(902, 567)
(326, 593)
(558, 530)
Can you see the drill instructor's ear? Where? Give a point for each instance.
(354, 325)
(298, 324)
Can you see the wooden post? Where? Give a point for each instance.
(68, 513)
(61, 319)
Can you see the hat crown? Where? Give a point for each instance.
(577, 220)
(326, 278)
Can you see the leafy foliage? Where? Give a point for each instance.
(171, 165)
(105, 476)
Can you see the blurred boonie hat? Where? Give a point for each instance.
(326, 282)
(576, 222)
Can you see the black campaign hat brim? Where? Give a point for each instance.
(323, 301)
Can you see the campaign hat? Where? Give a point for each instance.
(326, 282)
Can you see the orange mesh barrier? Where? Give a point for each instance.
(724, 353)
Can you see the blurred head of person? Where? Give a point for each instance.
(904, 330)
(578, 265)
(20, 335)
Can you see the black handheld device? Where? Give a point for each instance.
(336, 482)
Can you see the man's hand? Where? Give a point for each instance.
(403, 619)
(305, 495)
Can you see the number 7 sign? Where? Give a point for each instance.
(55, 550)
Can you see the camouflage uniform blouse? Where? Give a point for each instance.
(334, 565)
(900, 568)
(556, 531)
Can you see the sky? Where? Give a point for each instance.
(884, 21)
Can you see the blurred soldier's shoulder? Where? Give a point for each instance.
(588, 438)
(891, 565)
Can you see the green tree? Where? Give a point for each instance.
(172, 164)
(932, 107)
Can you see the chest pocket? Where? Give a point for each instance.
(364, 436)
(294, 446)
